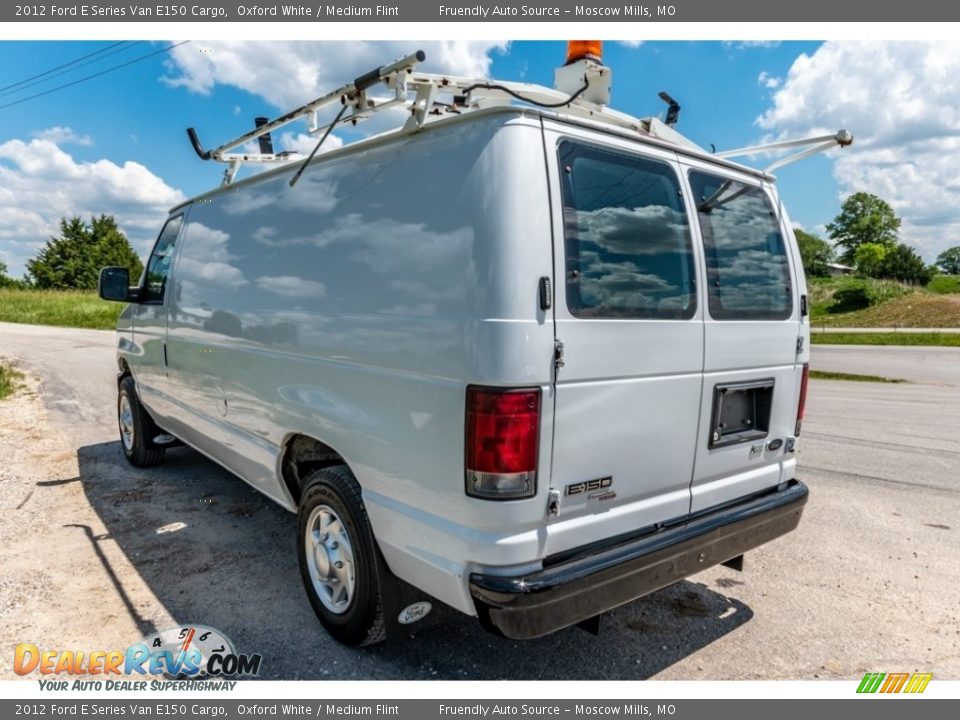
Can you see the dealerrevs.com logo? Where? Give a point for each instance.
(887, 683)
(192, 652)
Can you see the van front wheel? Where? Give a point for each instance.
(339, 562)
(137, 428)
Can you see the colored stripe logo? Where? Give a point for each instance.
(895, 682)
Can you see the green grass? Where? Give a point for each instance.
(8, 380)
(66, 308)
(853, 377)
(836, 297)
(883, 304)
(882, 338)
(945, 284)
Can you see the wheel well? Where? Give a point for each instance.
(301, 456)
(122, 370)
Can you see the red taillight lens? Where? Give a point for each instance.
(803, 397)
(503, 428)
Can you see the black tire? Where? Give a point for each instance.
(360, 620)
(136, 438)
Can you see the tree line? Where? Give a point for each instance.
(866, 238)
(72, 260)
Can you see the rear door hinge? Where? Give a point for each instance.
(558, 361)
(799, 344)
(553, 502)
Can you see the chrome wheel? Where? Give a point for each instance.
(126, 422)
(329, 556)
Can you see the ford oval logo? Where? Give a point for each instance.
(412, 613)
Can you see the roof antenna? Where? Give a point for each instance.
(266, 142)
(673, 109)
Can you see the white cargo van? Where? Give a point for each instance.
(525, 357)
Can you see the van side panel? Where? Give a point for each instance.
(354, 308)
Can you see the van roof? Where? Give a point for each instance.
(683, 148)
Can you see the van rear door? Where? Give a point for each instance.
(628, 390)
(752, 325)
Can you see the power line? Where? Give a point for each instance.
(66, 64)
(50, 74)
(95, 75)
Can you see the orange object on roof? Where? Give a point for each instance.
(580, 49)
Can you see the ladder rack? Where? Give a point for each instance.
(427, 97)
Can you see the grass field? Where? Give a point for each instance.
(8, 380)
(890, 338)
(914, 310)
(66, 308)
(891, 305)
(945, 284)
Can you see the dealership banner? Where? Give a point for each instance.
(483, 11)
(732, 709)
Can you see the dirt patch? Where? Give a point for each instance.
(55, 593)
(914, 310)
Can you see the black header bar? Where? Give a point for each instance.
(482, 11)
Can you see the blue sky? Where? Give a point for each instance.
(81, 149)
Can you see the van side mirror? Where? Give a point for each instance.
(115, 285)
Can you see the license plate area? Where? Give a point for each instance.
(741, 412)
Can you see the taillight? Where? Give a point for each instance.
(503, 427)
(803, 397)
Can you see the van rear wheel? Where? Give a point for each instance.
(137, 428)
(339, 562)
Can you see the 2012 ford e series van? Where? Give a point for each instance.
(525, 356)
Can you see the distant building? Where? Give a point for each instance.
(837, 269)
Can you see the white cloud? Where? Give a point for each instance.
(292, 286)
(304, 143)
(771, 82)
(287, 74)
(62, 136)
(41, 183)
(901, 101)
(750, 44)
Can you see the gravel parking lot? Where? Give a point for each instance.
(867, 583)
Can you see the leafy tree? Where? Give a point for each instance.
(815, 253)
(5, 280)
(8, 282)
(869, 259)
(74, 259)
(949, 261)
(863, 218)
(903, 263)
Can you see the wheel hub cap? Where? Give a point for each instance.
(126, 422)
(329, 556)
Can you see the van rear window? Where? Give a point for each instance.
(748, 277)
(628, 247)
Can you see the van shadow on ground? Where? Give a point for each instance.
(233, 566)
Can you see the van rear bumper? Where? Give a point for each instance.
(582, 585)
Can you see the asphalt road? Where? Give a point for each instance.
(95, 554)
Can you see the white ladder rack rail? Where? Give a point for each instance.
(353, 93)
(424, 96)
(817, 144)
